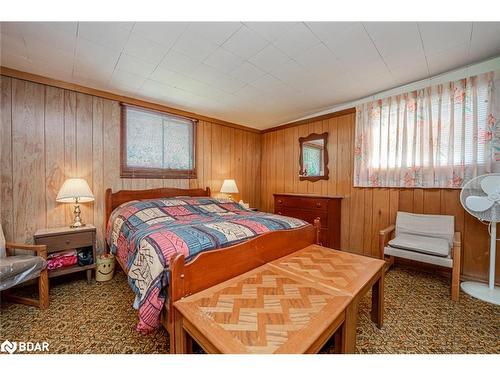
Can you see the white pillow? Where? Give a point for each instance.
(2, 243)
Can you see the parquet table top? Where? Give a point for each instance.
(266, 310)
(339, 270)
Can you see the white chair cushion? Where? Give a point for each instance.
(419, 257)
(422, 244)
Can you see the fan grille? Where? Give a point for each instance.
(473, 188)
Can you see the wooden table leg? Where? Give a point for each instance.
(339, 339)
(89, 276)
(189, 344)
(181, 342)
(377, 313)
(349, 328)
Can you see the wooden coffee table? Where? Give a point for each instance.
(348, 273)
(293, 304)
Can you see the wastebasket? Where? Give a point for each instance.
(105, 267)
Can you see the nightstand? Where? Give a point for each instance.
(65, 238)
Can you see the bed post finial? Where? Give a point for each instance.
(317, 226)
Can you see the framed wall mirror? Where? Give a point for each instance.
(313, 157)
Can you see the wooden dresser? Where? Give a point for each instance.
(308, 207)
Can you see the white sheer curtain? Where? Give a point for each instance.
(439, 136)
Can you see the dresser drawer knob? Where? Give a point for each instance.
(279, 213)
(67, 242)
(318, 205)
(280, 201)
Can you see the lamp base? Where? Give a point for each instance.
(77, 221)
(77, 225)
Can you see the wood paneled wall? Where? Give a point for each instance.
(364, 210)
(48, 134)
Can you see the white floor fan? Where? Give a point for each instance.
(481, 198)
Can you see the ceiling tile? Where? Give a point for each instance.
(94, 72)
(219, 80)
(145, 49)
(485, 40)
(412, 71)
(154, 89)
(105, 33)
(397, 42)
(167, 76)
(62, 35)
(252, 81)
(194, 47)
(270, 84)
(270, 30)
(245, 43)
(331, 31)
(320, 60)
(134, 65)
(355, 46)
(228, 84)
(215, 32)
(15, 29)
(448, 59)
(14, 45)
(293, 74)
(268, 58)
(248, 93)
(39, 50)
(164, 33)
(199, 88)
(222, 60)
(16, 61)
(179, 62)
(130, 80)
(439, 36)
(93, 52)
(298, 39)
(247, 72)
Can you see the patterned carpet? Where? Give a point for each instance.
(98, 318)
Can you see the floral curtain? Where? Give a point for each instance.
(436, 137)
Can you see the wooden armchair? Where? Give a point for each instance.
(29, 261)
(413, 231)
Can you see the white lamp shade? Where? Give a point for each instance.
(229, 187)
(75, 188)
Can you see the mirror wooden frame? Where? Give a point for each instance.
(314, 137)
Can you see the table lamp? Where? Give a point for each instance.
(229, 187)
(75, 190)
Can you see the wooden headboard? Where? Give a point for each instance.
(113, 200)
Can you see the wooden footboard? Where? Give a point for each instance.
(213, 267)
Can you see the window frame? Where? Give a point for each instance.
(145, 172)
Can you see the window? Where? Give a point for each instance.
(437, 137)
(156, 144)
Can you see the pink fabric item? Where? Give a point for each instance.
(62, 259)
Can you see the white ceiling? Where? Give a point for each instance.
(258, 74)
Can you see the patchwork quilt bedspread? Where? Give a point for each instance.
(145, 234)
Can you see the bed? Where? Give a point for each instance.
(145, 229)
